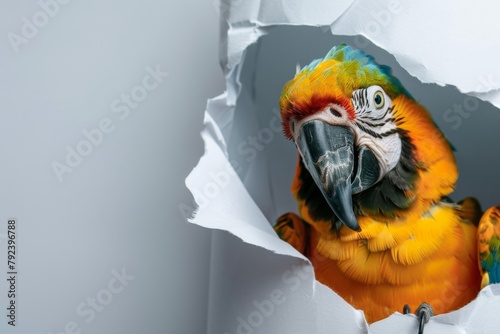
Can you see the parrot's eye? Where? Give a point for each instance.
(372, 100)
(378, 99)
(335, 112)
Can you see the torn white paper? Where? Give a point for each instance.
(260, 284)
(287, 289)
(444, 43)
(248, 20)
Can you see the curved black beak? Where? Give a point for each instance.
(328, 152)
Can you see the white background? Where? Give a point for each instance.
(119, 207)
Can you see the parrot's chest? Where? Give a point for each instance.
(382, 282)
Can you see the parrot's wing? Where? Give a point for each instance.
(292, 229)
(488, 237)
(470, 210)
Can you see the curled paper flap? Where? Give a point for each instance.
(247, 20)
(479, 316)
(281, 281)
(223, 202)
(444, 43)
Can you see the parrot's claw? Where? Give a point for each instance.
(424, 313)
(292, 229)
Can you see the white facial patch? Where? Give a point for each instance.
(373, 125)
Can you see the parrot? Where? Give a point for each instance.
(372, 185)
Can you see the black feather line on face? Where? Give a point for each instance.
(367, 121)
(388, 196)
(381, 117)
(385, 198)
(367, 130)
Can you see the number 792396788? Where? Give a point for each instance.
(11, 245)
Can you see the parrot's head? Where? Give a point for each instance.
(366, 144)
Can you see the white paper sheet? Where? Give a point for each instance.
(260, 284)
(446, 43)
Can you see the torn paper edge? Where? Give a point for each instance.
(238, 39)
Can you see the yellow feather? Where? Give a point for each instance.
(333, 248)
